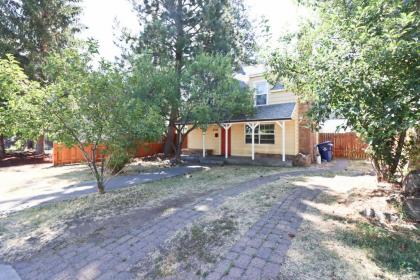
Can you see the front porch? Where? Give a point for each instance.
(272, 132)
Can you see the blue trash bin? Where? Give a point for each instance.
(325, 150)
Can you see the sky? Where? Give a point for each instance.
(101, 16)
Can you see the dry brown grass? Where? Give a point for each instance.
(336, 242)
(193, 250)
(26, 231)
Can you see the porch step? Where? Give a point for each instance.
(258, 162)
(190, 158)
(212, 161)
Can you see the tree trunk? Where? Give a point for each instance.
(40, 145)
(397, 155)
(29, 144)
(178, 149)
(179, 52)
(167, 149)
(378, 170)
(2, 147)
(101, 187)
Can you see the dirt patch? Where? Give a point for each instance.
(24, 158)
(336, 242)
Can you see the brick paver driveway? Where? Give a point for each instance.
(258, 254)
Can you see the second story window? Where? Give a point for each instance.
(261, 93)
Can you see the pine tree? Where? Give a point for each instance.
(175, 32)
(33, 29)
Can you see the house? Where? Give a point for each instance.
(277, 129)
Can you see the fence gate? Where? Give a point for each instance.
(346, 145)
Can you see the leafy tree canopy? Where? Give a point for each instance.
(13, 82)
(209, 92)
(175, 32)
(88, 106)
(32, 29)
(360, 61)
(179, 30)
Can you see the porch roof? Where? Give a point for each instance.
(283, 111)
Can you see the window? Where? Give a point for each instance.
(263, 134)
(261, 93)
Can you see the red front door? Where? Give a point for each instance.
(224, 141)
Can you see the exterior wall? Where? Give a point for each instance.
(238, 145)
(213, 135)
(239, 148)
(299, 138)
(277, 97)
(274, 96)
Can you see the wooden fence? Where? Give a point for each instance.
(346, 145)
(69, 155)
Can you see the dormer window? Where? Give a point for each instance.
(261, 93)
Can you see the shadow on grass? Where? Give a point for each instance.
(393, 251)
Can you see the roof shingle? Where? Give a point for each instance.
(281, 111)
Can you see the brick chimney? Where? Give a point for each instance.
(307, 138)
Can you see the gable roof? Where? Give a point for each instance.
(253, 70)
(283, 111)
(248, 71)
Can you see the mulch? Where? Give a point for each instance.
(22, 158)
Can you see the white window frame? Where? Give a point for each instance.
(258, 135)
(258, 94)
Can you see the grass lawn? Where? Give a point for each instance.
(28, 230)
(336, 242)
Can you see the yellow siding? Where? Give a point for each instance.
(277, 97)
(212, 142)
(239, 148)
(274, 96)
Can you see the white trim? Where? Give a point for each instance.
(283, 146)
(282, 125)
(259, 138)
(266, 94)
(203, 136)
(279, 90)
(226, 126)
(253, 125)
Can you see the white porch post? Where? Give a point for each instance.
(282, 124)
(226, 126)
(283, 140)
(253, 126)
(204, 143)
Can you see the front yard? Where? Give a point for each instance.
(26, 231)
(185, 227)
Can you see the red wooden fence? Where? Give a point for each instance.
(346, 145)
(68, 155)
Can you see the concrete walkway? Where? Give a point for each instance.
(44, 193)
(114, 254)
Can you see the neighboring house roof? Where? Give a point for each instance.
(272, 112)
